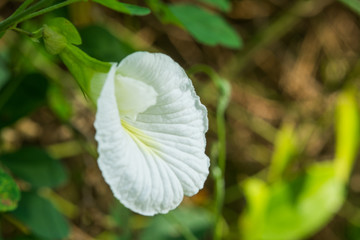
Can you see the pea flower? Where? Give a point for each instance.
(150, 128)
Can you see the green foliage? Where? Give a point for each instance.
(206, 27)
(59, 37)
(352, 4)
(223, 5)
(54, 41)
(59, 103)
(124, 7)
(58, 33)
(347, 133)
(194, 223)
(65, 28)
(41, 217)
(218, 155)
(292, 204)
(89, 72)
(122, 218)
(25, 11)
(99, 43)
(285, 149)
(162, 11)
(257, 194)
(35, 166)
(4, 70)
(294, 209)
(9, 193)
(353, 232)
(31, 87)
(297, 207)
(22, 7)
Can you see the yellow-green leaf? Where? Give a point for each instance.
(9, 193)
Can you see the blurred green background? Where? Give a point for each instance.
(279, 79)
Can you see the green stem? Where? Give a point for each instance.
(19, 225)
(15, 18)
(218, 170)
(22, 7)
(36, 34)
(49, 9)
(32, 12)
(219, 201)
(19, 30)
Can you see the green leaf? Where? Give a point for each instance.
(352, 4)
(352, 232)
(9, 193)
(99, 43)
(35, 166)
(162, 12)
(89, 72)
(223, 5)
(4, 69)
(176, 225)
(297, 208)
(124, 7)
(59, 37)
(205, 26)
(284, 152)
(65, 28)
(41, 217)
(257, 194)
(58, 33)
(20, 97)
(122, 220)
(347, 133)
(58, 102)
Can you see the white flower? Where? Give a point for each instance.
(150, 129)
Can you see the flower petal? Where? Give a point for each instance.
(127, 95)
(152, 160)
